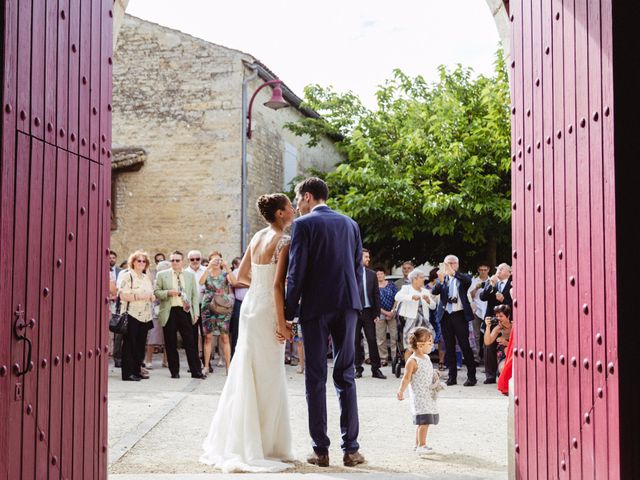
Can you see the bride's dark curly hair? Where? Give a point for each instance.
(269, 204)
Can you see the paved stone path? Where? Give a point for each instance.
(156, 427)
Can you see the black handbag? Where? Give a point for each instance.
(119, 322)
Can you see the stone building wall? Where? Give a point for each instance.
(180, 99)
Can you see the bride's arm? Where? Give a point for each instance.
(283, 332)
(243, 277)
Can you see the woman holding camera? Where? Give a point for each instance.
(216, 307)
(415, 302)
(496, 339)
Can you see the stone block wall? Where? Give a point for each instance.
(180, 99)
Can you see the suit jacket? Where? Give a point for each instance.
(325, 264)
(488, 294)
(373, 292)
(164, 283)
(442, 289)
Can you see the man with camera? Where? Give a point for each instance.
(479, 307)
(454, 313)
(497, 291)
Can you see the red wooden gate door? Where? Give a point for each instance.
(566, 370)
(54, 237)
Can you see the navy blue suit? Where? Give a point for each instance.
(325, 259)
(455, 325)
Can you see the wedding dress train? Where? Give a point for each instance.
(251, 431)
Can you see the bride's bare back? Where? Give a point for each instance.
(264, 245)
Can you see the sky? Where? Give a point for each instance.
(348, 44)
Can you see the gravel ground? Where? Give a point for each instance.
(156, 427)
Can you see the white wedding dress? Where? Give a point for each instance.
(251, 431)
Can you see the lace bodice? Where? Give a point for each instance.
(283, 242)
(262, 275)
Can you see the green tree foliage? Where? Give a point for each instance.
(426, 173)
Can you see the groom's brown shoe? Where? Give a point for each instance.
(352, 459)
(319, 459)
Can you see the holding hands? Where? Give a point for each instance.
(284, 333)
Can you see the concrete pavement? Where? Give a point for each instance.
(156, 427)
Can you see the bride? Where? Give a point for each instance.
(250, 431)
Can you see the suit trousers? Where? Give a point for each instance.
(180, 321)
(455, 327)
(479, 350)
(198, 335)
(117, 347)
(382, 326)
(316, 329)
(366, 322)
(133, 346)
(491, 361)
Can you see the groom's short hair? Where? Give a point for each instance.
(315, 186)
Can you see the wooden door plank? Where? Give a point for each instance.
(43, 362)
(71, 281)
(38, 32)
(548, 220)
(105, 222)
(520, 363)
(49, 122)
(572, 241)
(24, 66)
(79, 404)
(529, 233)
(611, 392)
(62, 75)
(32, 312)
(57, 325)
(559, 283)
(106, 73)
(584, 318)
(94, 82)
(84, 54)
(74, 75)
(536, 196)
(19, 267)
(7, 190)
(598, 416)
(92, 373)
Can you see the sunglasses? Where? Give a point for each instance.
(175, 260)
(195, 259)
(140, 260)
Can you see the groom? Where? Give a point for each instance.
(325, 257)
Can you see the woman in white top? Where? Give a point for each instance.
(414, 301)
(136, 296)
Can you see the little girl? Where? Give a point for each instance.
(424, 383)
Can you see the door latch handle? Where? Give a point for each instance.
(21, 326)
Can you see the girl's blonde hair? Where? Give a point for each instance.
(419, 334)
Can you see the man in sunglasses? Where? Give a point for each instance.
(195, 267)
(179, 310)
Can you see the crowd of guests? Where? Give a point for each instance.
(468, 318)
(200, 300)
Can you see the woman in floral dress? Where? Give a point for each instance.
(216, 282)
